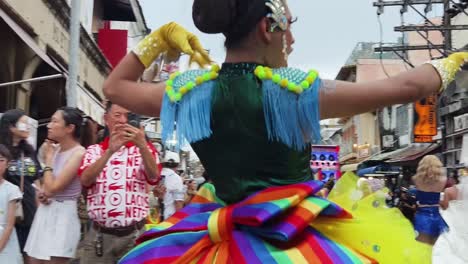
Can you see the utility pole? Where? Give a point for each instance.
(74, 59)
(445, 28)
(447, 24)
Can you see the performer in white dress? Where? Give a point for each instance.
(452, 246)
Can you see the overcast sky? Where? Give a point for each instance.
(326, 32)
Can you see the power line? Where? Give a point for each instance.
(403, 40)
(445, 28)
(380, 45)
(430, 28)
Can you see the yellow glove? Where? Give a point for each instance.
(173, 40)
(449, 67)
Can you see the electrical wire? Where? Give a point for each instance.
(381, 44)
(427, 20)
(403, 40)
(427, 38)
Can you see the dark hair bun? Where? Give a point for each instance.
(213, 16)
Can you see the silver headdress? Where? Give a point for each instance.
(278, 14)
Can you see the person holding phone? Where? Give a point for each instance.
(116, 173)
(134, 120)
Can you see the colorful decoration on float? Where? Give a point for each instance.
(325, 162)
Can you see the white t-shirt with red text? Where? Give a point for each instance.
(119, 197)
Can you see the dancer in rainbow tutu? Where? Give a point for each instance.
(251, 123)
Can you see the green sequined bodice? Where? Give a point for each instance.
(238, 156)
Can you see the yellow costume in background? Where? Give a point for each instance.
(372, 221)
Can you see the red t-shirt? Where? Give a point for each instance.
(119, 196)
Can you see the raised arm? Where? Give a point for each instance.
(122, 87)
(340, 99)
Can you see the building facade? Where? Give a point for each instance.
(454, 109)
(361, 133)
(36, 46)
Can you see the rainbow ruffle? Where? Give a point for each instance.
(272, 226)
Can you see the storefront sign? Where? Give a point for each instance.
(425, 120)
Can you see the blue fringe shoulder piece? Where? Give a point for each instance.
(187, 106)
(291, 105)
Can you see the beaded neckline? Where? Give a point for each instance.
(237, 69)
(293, 80)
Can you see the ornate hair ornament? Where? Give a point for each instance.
(278, 15)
